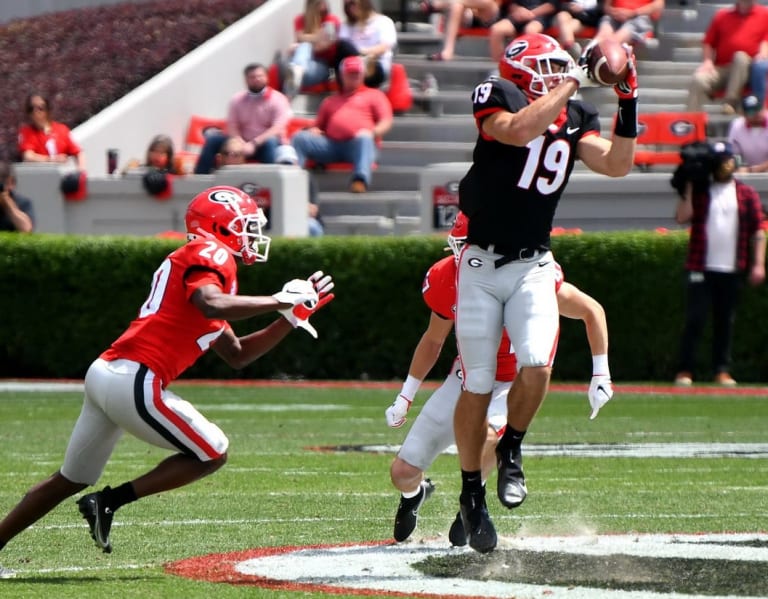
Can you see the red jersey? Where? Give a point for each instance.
(439, 292)
(170, 333)
(57, 141)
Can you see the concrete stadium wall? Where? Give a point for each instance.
(117, 205)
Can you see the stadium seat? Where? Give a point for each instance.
(662, 134)
(399, 92)
(198, 125)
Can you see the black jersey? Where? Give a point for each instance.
(511, 192)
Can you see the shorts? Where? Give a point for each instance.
(432, 431)
(123, 395)
(639, 27)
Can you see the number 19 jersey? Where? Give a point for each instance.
(170, 333)
(510, 193)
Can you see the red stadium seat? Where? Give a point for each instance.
(399, 92)
(198, 125)
(662, 134)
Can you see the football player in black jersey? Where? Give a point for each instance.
(530, 134)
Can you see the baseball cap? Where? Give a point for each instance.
(352, 64)
(750, 104)
(722, 149)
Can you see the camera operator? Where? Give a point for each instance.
(16, 213)
(726, 243)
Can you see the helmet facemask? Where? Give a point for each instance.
(254, 245)
(546, 70)
(458, 235)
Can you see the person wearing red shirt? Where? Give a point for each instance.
(735, 37)
(192, 298)
(432, 431)
(347, 126)
(44, 140)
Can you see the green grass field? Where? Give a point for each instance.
(276, 490)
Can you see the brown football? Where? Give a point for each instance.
(608, 63)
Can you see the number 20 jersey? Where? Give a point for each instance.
(171, 333)
(510, 193)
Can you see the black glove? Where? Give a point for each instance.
(155, 181)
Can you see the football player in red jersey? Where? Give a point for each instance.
(530, 132)
(432, 431)
(192, 297)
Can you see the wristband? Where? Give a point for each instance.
(600, 365)
(410, 387)
(626, 118)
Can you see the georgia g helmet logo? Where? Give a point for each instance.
(223, 196)
(515, 49)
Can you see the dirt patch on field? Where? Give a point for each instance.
(618, 572)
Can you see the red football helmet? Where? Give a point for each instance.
(458, 235)
(233, 218)
(535, 63)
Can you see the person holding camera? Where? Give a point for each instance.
(726, 243)
(16, 212)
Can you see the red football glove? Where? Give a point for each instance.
(627, 89)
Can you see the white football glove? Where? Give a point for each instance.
(299, 315)
(297, 291)
(600, 392)
(396, 412)
(580, 74)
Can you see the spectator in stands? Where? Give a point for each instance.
(16, 212)
(347, 126)
(373, 35)
(629, 21)
(232, 152)
(522, 16)
(726, 243)
(462, 14)
(44, 140)
(257, 115)
(314, 51)
(735, 36)
(748, 135)
(159, 156)
(573, 18)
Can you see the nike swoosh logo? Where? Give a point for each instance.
(543, 263)
(570, 130)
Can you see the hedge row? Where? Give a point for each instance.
(65, 298)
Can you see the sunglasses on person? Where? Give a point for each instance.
(37, 108)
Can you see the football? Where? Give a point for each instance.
(608, 63)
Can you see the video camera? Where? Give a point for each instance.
(700, 160)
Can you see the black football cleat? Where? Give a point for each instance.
(99, 518)
(456, 534)
(408, 511)
(511, 480)
(479, 529)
